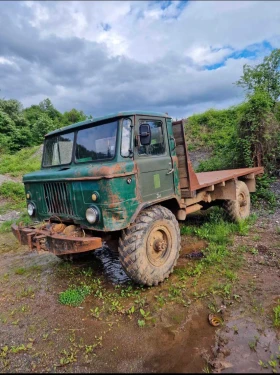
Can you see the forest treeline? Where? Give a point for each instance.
(25, 127)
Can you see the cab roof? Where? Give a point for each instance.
(102, 118)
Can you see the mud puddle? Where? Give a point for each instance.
(243, 344)
(184, 349)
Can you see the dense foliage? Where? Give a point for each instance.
(21, 127)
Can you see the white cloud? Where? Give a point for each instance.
(4, 60)
(105, 56)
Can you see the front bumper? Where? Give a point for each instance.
(42, 238)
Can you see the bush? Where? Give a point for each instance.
(258, 133)
(263, 192)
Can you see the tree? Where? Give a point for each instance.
(47, 107)
(12, 107)
(14, 127)
(32, 113)
(263, 77)
(41, 127)
(73, 116)
(259, 133)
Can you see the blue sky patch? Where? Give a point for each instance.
(106, 26)
(252, 52)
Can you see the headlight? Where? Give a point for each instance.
(30, 209)
(92, 215)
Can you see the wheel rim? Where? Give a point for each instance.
(159, 245)
(242, 201)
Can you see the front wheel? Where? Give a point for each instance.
(150, 247)
(239, 209)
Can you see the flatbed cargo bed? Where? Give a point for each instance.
(191, 182)
(211, 178)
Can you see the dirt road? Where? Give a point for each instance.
(126, 328)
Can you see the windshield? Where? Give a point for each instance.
(97, 142)
(58, 150)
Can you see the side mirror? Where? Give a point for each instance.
(145, 134)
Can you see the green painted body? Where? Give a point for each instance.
(124, 185)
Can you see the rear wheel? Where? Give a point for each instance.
(150, 247)
(239, 209)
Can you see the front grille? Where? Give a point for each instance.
(57, 198)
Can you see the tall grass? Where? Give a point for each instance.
(13, 191)
(20, 162)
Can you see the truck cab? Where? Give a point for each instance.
(101, 166)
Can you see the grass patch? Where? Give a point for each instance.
(74, 296)
(20, 271)
(20, 162)
(216, 229)
(5, 227)
(276, 319)
(219, 259)
(13, 191)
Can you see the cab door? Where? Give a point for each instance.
(154, 161)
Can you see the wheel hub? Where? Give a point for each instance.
(158, 245)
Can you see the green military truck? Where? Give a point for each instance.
(128, 176)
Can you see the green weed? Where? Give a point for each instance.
(12, 190)
(20, 271)
(145, 314)
(253, 343)
(74, 296)
(95, 312)
(276, 319)
(230, 275)
(216, 232)
(141, 323)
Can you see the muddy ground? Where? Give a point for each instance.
(107, 332)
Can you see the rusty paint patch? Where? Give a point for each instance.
(100, 177)
(43, 238)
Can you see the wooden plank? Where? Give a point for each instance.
(184, 182)
(182, 172)
(185, 193)
(180, 151)
(177, 132)
(179, 141)
(182, 162)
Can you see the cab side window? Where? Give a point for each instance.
(157, 146)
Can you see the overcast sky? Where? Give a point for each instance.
(180, 57)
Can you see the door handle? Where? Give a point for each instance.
(170, 171)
